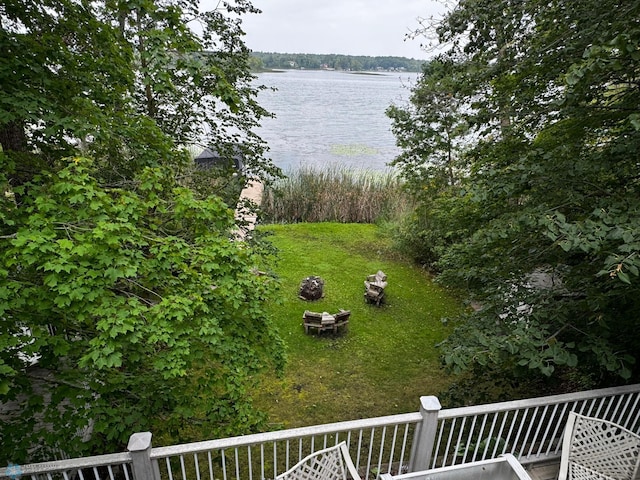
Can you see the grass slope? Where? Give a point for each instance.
(385, 361)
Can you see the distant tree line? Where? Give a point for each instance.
(310, 61)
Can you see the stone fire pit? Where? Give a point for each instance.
(311, 288)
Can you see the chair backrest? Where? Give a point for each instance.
(598, 449)
(333, 463)
(312, 317)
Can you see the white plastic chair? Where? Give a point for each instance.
(598, 449)
(333, 463)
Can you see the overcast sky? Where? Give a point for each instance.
(351, 27)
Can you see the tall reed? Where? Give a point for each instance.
(335, 194)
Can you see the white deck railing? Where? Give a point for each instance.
(374, 444)
(530, 429)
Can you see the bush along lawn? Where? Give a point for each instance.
(385, 361)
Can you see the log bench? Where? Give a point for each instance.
(325, 321)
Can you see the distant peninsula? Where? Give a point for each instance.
(311, 61)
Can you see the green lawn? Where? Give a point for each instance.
(385, 361)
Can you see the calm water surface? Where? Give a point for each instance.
(331, 118)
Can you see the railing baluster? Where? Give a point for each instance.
(479, 441)
(286, 455)
(599, 402)
(562, 420)
(499, 437)
(262, 459)
(490, 436)
(591, 403)
(249, 462)
(446, 451)
(168, 461)
(515, 442)
(614, 414)
(511, 426)
(381, 452)
(182, 469)
(540, 422)
(196, 466)
(526, 438)
(359, 448)
(393, 447)
(438, 443)
(635, 418)
(224, 464)
(371, 438)
(210, 462)
(275, 460)
(467, 446)
(404, 445)
(607, 410)
(620, 412)
(460, 433)
(545, 437)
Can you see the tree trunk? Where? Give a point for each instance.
(12, 137)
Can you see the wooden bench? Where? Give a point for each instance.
(325, 321)
(374, 287)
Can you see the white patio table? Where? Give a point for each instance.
(505, 467)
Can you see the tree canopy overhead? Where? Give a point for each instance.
(542, 221)
(125, 302)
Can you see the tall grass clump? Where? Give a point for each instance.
(335, 194)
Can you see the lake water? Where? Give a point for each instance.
(331, 118)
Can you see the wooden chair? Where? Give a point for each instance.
(312, 320)
(333, 463)
(342, 320)
(374, 287)
(598, 449)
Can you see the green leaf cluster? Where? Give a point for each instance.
(125, 302)
(136, 309)
(540, 227)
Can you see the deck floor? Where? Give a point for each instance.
(544, 471)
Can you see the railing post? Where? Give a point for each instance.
(426, 434)
(140, 448)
